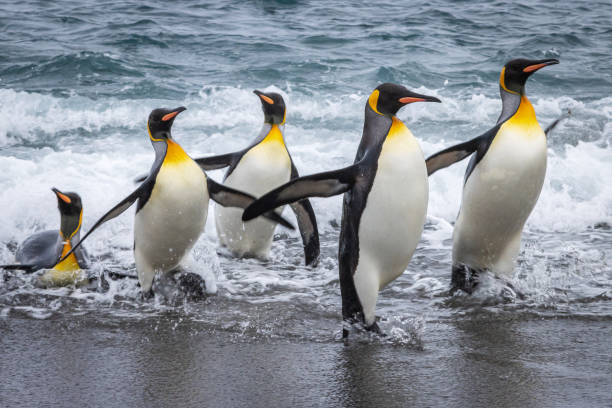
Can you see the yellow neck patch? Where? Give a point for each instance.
(175, 153)
(373, 101)
(525, 114)
(398, 129)
(274, 136)
(523, 123)
(70, 263)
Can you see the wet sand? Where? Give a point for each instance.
(165, 361)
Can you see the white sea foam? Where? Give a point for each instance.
(322, 133)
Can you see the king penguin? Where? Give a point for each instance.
(172, 203)
(384, 206)
(44, 250)
(257, 169)
(502, 182)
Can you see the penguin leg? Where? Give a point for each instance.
(367, 285)
(146, 274)
(463, 278)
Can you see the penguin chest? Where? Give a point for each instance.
(173, 218)
(263, 168)
(393, 218)
(499, 195)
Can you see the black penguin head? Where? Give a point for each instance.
(388, 98)
(515, 73)
(71, 212)
(160, 122)
(273, 107)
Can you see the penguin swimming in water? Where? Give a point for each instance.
(172, 203)
(44, 250)
(502, 182)
(257, 169)
(384, 207)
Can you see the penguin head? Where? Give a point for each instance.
(71, 212)
(515, 73)
(273, 107)
(388, 98)
(160, 122)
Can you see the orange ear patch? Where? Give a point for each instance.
(267, 99)
(169, 116)
(408, 99)
(535, 67)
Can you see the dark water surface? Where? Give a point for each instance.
(481, 362)
(77, 81)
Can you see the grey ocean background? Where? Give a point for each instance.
(77, 81)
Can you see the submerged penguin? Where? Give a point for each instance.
(257, 169)
(502, 183)
(385, 203)
(172, 204)
(44, 250)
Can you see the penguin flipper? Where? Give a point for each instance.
(325, 184)
(451, 155)
(459, 152)
(229, 197)
(209, 163)
(217, 162)
(20, 267)
(553, 125)
(82, 258)
(117, 210)
(307, 223)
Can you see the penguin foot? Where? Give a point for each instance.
(464, 278)
(359, 326)
(149, 294)
(192, 285)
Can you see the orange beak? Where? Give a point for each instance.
(171, 115)
(62, 196)
(542, 64)
(535, 67)
(409, 99)
(267, 99)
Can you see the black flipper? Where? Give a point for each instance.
(20, 267)
(143, 192)
(116, 211)
(553, 125)
(451, 155)
(228, 197)
(456, 153)
(121, 275)
(210, 163)
(307, 223)
(325, 184)
(217, 162)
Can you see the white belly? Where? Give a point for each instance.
(261, 169)
(497, 199)
(392, 221)
(171, 221)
